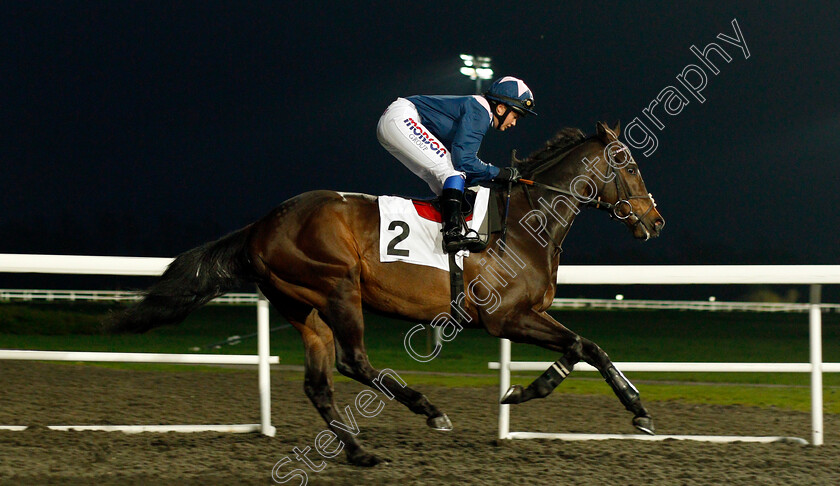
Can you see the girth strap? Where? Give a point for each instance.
(456, 286)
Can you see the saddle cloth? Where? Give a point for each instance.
(410, 231)
(430, 208)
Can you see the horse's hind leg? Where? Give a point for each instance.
(542, 330)
(344, 316)
(318, 381)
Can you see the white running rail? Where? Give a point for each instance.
(813, 275)
(102, 265)
(106, 296)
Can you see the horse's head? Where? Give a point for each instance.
(623, 187)
(598, 171)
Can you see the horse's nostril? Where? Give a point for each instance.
(659, 223)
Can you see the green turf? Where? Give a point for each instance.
(627, 335)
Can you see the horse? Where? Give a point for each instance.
(316, 259)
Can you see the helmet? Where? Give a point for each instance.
(512, 92)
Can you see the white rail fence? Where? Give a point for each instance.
(106, 296)
(49, 295)
(692, 305)
(135, 266)
(813, 275)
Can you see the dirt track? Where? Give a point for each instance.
(38, 393)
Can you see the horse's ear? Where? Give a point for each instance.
(606, 133)
(514, 160)
(617, 128)
(601, 129)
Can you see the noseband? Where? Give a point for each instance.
(623, 193)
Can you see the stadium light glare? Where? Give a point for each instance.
(476, 68)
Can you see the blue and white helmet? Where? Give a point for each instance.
(514, 93)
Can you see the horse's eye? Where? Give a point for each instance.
(631, 170)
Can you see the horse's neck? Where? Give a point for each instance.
(533, 233)
(546, 215)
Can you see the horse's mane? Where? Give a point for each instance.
(565, 139)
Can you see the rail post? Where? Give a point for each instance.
(504, 384)
(264, 372)
(815, 321)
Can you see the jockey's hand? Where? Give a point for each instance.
(508, 174)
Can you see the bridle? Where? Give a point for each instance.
(622, 191)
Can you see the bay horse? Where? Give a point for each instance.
(316, 258)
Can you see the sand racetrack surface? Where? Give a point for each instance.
(39, 394)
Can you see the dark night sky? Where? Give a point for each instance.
(172, 123)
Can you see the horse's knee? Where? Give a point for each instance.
(345, 368)
(594, 355)
(574, 351)
(317, 389)
(319, 399)
(354, 368)
(590, 346)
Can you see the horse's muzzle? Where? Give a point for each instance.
(649, 227)
(658, 224)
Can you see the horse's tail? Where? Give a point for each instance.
(193, 279)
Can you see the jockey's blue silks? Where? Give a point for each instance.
(454, 182)
(438, 136)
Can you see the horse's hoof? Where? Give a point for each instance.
(644, 423)
(441, 422)
(513, 395)
(363, 458)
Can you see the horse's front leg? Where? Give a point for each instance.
(541, 329)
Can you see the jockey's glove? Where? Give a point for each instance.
(508, 174)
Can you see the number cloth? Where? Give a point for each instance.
(405, 236)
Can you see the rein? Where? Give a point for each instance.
(622, 192)
(595, 203)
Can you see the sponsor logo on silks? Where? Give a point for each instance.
(422, 138)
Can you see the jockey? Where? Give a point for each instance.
(438, 137)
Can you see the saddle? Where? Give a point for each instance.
(493, 223)
(399, 236)
(430, 208)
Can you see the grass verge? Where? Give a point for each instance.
(626, 335)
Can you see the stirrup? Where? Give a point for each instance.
(457, 242)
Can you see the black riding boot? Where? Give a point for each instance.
(453, 238)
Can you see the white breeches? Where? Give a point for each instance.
(401, 133)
